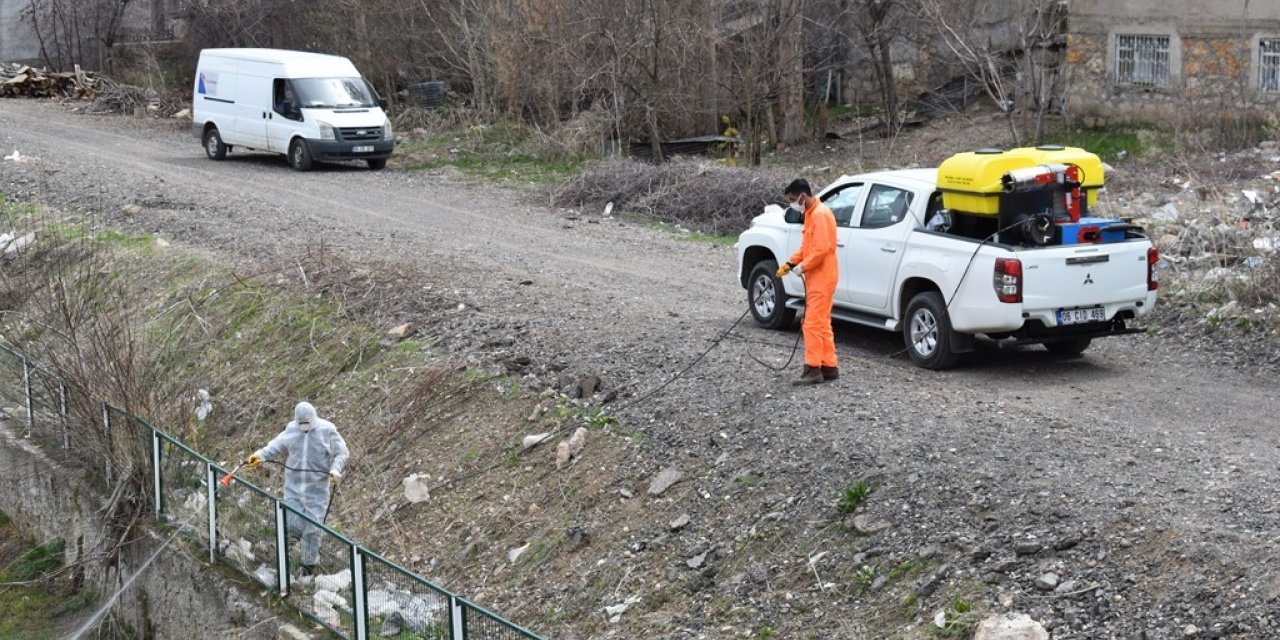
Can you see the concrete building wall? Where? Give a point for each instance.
(1213, 70)
(17, 43)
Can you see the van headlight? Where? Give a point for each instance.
(386, 129)
(326, 130)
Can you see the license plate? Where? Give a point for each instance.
(362, 149)
(1080, 316)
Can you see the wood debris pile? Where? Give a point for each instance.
(18, 80)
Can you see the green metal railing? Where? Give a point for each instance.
(355, 593)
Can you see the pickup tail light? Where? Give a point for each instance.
(1007, 280)
(1153, 278)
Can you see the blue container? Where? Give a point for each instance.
(1091, 231)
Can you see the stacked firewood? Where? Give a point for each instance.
(17, 80)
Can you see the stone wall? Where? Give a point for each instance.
(1213, 72)
(179, 595)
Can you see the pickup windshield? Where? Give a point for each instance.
(333, 93)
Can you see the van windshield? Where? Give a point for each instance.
(333, 93)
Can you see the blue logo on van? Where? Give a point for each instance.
(207, 83)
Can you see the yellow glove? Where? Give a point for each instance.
(334, 477)
(783, 270)
(253, 461)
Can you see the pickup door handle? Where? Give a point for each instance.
(889, 249)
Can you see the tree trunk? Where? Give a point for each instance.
(655, 136)
(792, 63)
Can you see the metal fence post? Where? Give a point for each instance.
(282, 551)
(360, 593)
(155, 471)
(211, 494)
(457, 625)
(26, 384)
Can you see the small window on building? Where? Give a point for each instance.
(1269, 65)
(1142, 60)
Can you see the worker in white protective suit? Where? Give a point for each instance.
(316, 455)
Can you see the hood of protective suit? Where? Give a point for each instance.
(305, 416)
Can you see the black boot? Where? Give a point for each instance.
(308, 569)
(811, 375)
(830, 373)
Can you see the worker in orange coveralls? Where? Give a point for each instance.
(815, 261)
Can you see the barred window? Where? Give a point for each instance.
(1269, 65)
(1142, 60)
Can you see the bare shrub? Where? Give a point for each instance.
(699, 194)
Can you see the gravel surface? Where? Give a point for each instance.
(1143, 475)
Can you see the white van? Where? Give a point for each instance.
(307, 106)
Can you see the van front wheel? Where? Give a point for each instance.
(213, 146)
(300, 155)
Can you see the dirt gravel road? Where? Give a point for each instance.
(1145, 473)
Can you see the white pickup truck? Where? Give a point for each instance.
(941, 289)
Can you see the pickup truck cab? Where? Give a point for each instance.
(942, 289)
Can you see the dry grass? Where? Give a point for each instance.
(698, 194)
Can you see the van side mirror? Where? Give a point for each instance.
(382, 103)
(792, 216)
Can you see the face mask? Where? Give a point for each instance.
(797, 207)
(305, 426)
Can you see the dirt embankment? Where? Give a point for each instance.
(1122, 493)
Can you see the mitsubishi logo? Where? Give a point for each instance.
(1088, 278)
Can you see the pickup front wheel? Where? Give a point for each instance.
(766, 297)
(927, 332)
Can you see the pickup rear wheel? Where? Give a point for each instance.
(766, 297)
(1068, 348)
(927, 332)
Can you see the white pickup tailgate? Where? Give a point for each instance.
(1113, 276)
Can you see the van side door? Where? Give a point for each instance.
(253, 104)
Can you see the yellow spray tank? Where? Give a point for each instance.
(971, 182)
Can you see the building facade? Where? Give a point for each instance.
(1172, 61)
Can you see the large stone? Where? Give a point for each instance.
(866, 526)
(664, 480)
(415, 488)
(401, 332)
(1010, 626)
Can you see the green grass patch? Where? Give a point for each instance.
(688, 235)
(503, 152)
(853, 495)
(134, 241)
(1115, 144)
(34, 608)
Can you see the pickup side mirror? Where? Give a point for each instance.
(793, 217)
(382, 103)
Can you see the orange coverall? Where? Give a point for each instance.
(817, 257)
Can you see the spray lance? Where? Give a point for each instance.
(225, 482)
